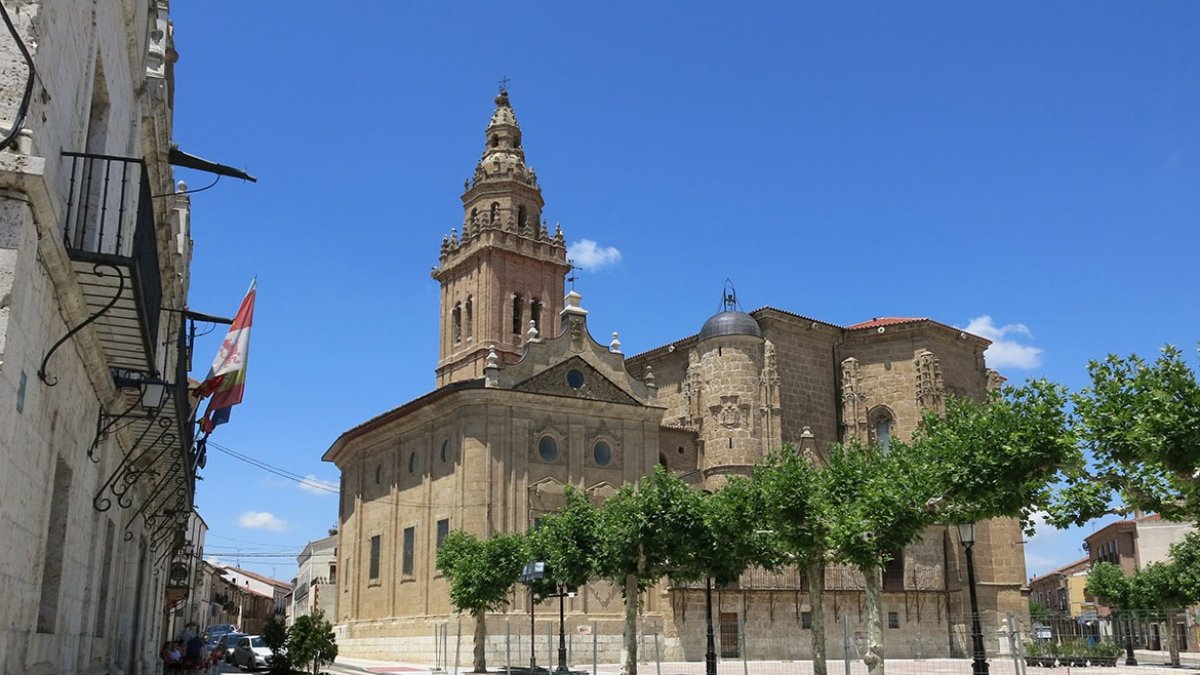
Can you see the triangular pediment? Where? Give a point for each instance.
(575, 378)
(600, 492)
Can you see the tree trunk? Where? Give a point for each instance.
(816, 599)
(629, 639)
(874, 588)
(1172, 645)
(480, 641)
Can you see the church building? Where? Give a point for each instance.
(527, 402)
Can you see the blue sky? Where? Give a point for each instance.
(1029, 170)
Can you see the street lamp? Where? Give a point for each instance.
(532, 573)
(710, 654)
(966, 534)
(564, 591)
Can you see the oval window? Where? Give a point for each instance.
(446, 450)
(548, 449)
(574, 379)
(602, 453)
(412, 463)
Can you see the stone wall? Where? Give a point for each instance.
(91, 95)
(473, 460)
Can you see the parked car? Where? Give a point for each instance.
(215, 632)
(225, 646)
(251, 653)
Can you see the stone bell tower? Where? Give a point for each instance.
(503, 277)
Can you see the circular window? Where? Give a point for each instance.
(446, 450)
(574, 379)
(412, 463)
(548, 449)
(602, 453)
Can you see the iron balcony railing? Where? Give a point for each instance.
(110, 220)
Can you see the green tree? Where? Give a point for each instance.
(311, 641)
(275, 634)
(1141, 423)
(644, 532)
(1038, 612)
(1148, 592)
(797, 529)
(877, 502)
(567, 539)
(480, 574)
(1000, 457)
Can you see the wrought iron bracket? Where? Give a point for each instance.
(97, 269)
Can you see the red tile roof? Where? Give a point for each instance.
(885, 321)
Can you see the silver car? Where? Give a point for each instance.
(251, 652)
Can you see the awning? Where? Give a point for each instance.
(181, 158)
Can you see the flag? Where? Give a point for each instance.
(227, 377)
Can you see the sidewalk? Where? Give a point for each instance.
(1149, 663)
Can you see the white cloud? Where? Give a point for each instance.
(1005, 351)
(261, 520)
(590, 256)
(317, 486)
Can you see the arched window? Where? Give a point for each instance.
(518, 314)
(412, 463)
(456, 322)
(495, 213)
(882, 424)
(535, 313)
(883, 432)
(495, 141)
(521, 216)
(470, 318)
(474, 214)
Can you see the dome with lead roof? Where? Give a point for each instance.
(730, 322)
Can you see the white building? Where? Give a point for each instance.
(316, 579)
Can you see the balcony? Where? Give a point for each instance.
(109, 234)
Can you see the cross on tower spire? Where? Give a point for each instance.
(504, 83)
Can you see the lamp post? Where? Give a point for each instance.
(710, 654)
(532, 573)
(1130, 659)
(564, 591)
(979, 666)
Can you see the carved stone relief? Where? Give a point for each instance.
(930, 388)
(576, 331)
(730, 413)
(854, 402)
(693, 387)
(995, 380)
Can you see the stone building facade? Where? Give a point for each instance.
(97, 460)
(527, 403)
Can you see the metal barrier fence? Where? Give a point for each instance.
(1013, 646)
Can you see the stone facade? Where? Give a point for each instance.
(93, 516)
(522, 411)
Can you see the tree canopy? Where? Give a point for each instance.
(481, 572)
(1140, 421)
(311, 641)
(1000, 457)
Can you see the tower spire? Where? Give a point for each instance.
(508, 267)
